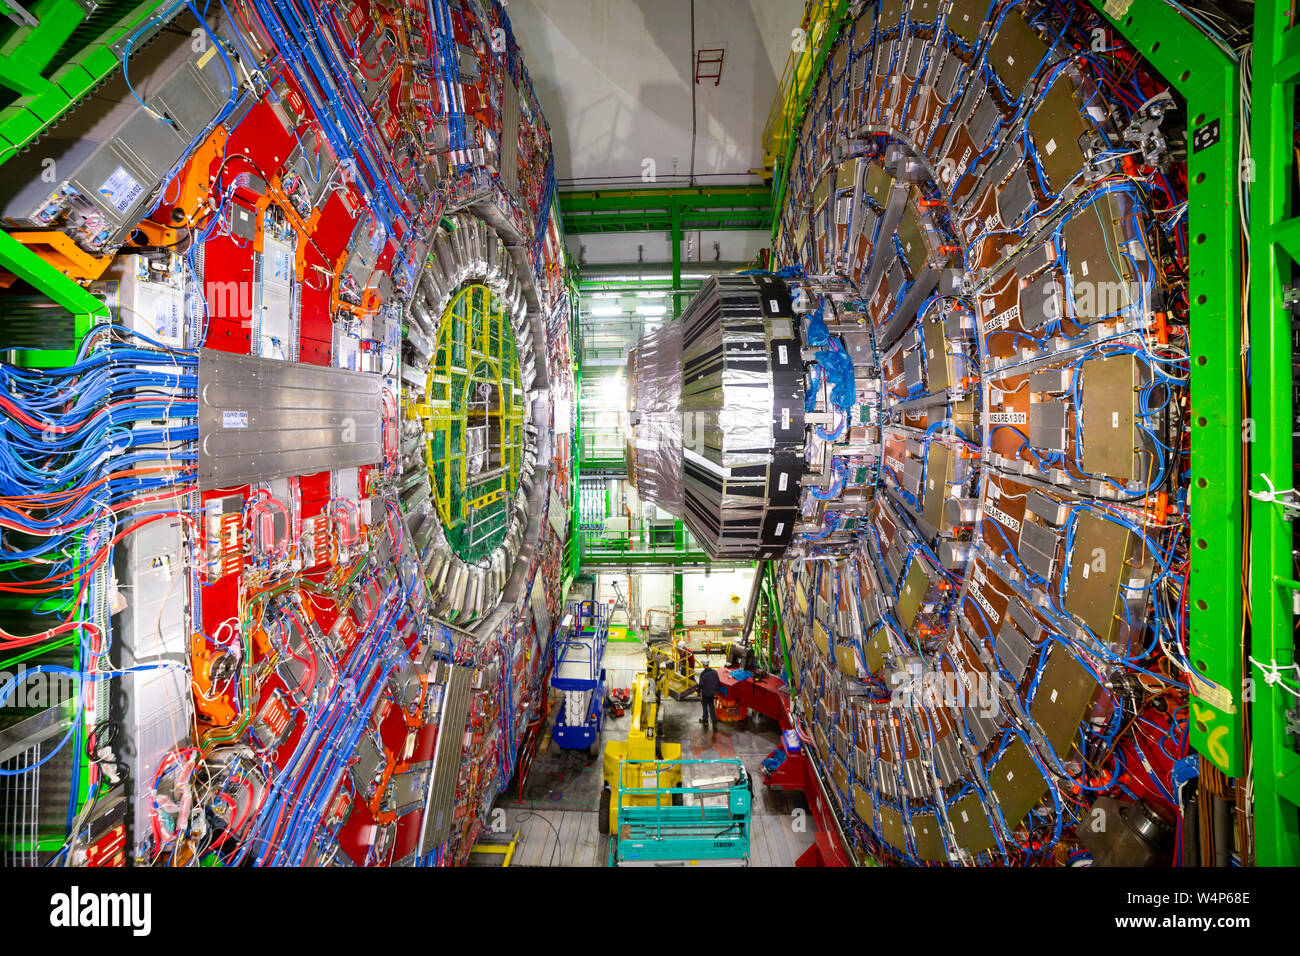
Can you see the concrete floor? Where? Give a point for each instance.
(556, 818)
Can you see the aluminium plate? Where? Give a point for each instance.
(260, 419)
(449, 747)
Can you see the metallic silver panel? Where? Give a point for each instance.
(261, 419)
(436, 824)
(153, 631)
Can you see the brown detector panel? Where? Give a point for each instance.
(971, 825)
(1111, 389)
(1017, 782)
(1063, 697)
(1098, 568)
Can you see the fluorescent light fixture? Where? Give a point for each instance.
(607, 310)
(667, 277)
(613, 392)
(651, 309)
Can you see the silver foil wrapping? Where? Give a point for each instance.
(654, 433)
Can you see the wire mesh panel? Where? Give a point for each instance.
(475, 417)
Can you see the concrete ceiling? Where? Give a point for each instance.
(615, 79)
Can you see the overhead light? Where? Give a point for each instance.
(666, 277)
(613, 392)
(651, 309)
(607, 310)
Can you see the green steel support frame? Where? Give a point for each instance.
(573, 552)
(658, 210)
(1275, 251)
(781, 175)
(675, 211)
(29, 52)
(1208, 80)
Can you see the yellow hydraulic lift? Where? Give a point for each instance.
(644, 743)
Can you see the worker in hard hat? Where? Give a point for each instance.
(709, 684)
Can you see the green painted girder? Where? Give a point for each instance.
(87, 310)
(30, 49)
(1208, 79)
(666, 558)
(573, 559)
(48, 99)
(781, 175)
(769, 585)
(1274, 255)
(666, 210)
(596, 285)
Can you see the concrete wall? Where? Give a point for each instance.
(615, 79)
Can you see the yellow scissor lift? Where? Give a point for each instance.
(644, 743)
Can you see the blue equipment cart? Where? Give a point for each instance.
(577, 672)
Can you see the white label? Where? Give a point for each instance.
(964, 817)
(1216, 695)
(1050, 148)
(779, 528)
(782, 355)
(785, 418)
(994, 616)
(1002, 320)
(121, 190)
(1053, 695)
(1005, 518)
(771, 304)
(1008, 418)
(780, 485)
(1086, 567)
(1083, 266)
(282, 265)
(1114, 419)
(1010, 774)
(167, 319)
(234, 419)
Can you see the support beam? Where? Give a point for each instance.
(1274, 255)
(658, 210)
(1208, 78)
